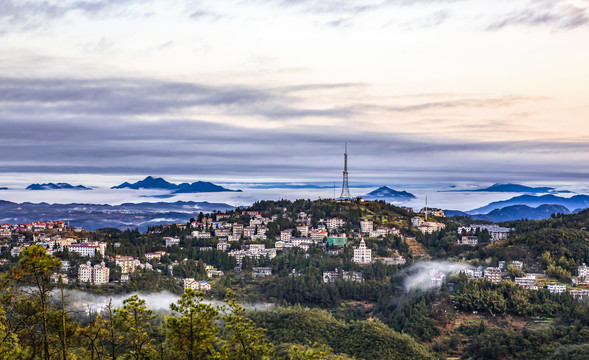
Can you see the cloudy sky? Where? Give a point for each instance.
(264, 90)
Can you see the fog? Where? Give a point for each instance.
(418, 276)
(79, 301)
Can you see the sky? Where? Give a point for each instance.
(422, 91)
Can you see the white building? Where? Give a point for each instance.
(496, 232)
(493, 274)
(88, 249)
(303, 229)
(100, 274)
(285, 235)
(527, 282)
(195, 285)
(468, 240)
(362, 254)
(556, 288)
(334, 223)
(171, 241)
(261, 271)
(583, 271)
(366, 226)
(85, 272)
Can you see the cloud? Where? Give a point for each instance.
(557, 14)
(28, 15)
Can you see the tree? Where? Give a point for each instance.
(192, 331)
(243, 339)
(9, 347)
(35, 268)
(134, 321)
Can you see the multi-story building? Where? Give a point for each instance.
(318, 235)
(493, 274)
(237, 230)
(156, 255)
(201, 234)
(171, 241)
(334, 223)
(366, 226)
(126, 263)
(261, 271)
(303, 230)
(527, 282)
(248, 231)
(222, 232)
(468, 240)
(496, 232)
(556, 288)
(222, 246)
(583, 271)
(362, 254)
(285, 235)
(100, 274)
(85, 272)
(87, 249)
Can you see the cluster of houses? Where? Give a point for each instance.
(328, 232)
(527, 281)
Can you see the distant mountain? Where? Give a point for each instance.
(3, 188)
(386, 193)
(96, 216)
(572, 203)
(515, 212)
(58, 186)
(148, 183)
(514, 188)
(160, 184)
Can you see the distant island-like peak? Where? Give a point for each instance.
(159, 183)
(386, 193)
(57, 186)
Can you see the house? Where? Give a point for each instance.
(362, 254)
(496, 233)
(261, 271)
(196, 285)
(318, 235)
(432, 212)
(436, 277)
(222, 246)
(157, 255)
(527, 282)
(55, 277)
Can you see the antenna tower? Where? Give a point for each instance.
(345, 185)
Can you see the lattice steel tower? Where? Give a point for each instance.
(345, 185)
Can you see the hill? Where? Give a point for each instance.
(96, 216)
(57, 186)
(160, 184)
(572, 203)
